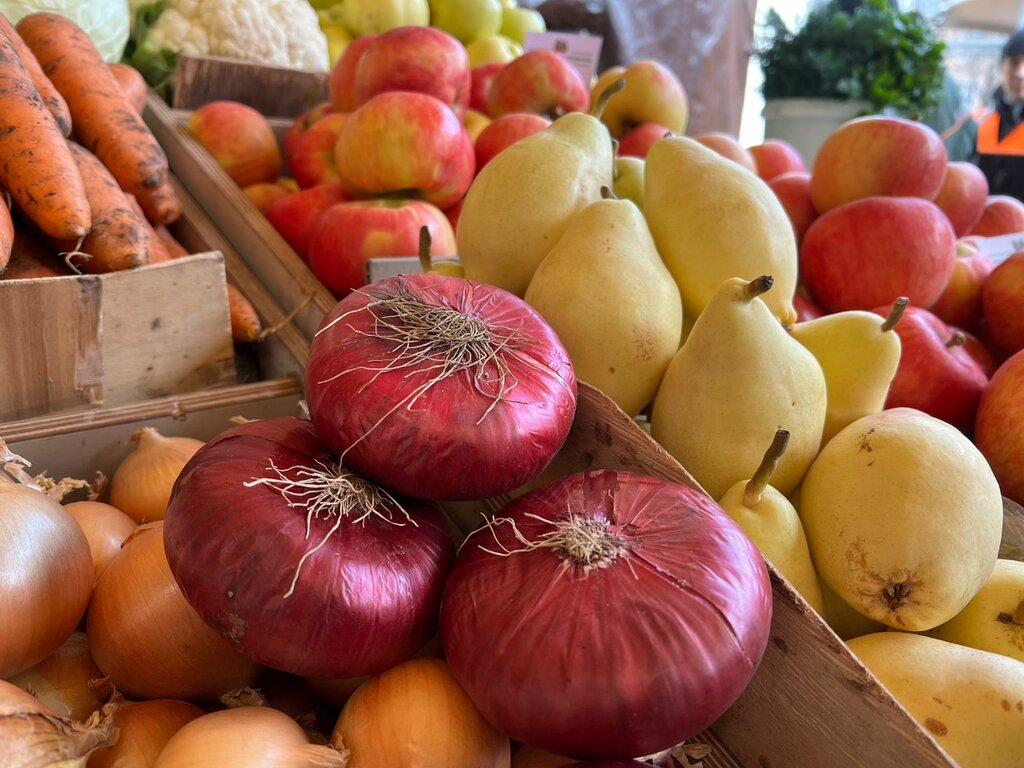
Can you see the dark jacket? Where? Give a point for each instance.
(1001, 148)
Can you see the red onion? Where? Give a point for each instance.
(440, 387)
(609, 615)
(307, 568)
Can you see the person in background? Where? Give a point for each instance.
(1000, 133)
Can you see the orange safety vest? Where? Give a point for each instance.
(988, 137)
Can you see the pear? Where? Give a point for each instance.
(521, 202)
(628, 178)
(737, 379)
(994, 619)
(712, 219)
(903, 516)
(772, 523)
(859, 354)
(607, 294)
(844, 620)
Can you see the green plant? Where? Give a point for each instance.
(889, 58)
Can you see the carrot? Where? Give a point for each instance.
(105, 122)
(120, 238)
(36, 166)
(245, 323)
(132, 83)
(50, 96)
(174, 248)
(30, 258)
(158, 250)
(6, 235)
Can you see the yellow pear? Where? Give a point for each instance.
(994, 619)
(970, 701)
(903, 516)
(712, 219)
(844, 620)
(773, 525)
(608, 296)
(859, 353)
(628, 180)
(737, 379)
(521, 202)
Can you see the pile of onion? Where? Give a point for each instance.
(62, 680)
(301, 564)
(635, 604)
(440, 387)
(142, 482)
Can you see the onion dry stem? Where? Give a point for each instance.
(584, 542)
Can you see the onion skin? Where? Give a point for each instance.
(145, 728)
(142, 482)
(105, 528)
(646, 651)
(365, 601)
(436, 449)
(529, 756)
(61, 680)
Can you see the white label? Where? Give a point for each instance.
(582, 51)
(1000, 248)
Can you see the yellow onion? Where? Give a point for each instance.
(141, 485)
(145, 727)
(416, 714)
(33, 736)
(148, 639)
(529, 756)
(46, 577)
(61, 680)
(105, 528)
(246, 737)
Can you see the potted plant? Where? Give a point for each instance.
(847, 59)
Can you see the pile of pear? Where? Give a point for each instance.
(676, 301)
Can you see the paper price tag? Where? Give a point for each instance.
(582, 51)
(1000, 248)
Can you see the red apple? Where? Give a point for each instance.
(962, 195)
(300, 125)
(1002, 215)
(774, 157)
(877, 155)
(312, 160)
(452, 214)
(240, 139)
(341, 82)
(480, 84)
(935, 373)
(982, 355)
(959, 303)
(405, 142)
(638, 141)
(793, 190)
(263, 193)
(869, 252)
(421, 59)
(652, 94)
(729, 147)
(984, 334)
(505, 131)
(805, 308)
(294, 215)
(999, 427)
(542, 82)
(1002, 300)
(347, 235)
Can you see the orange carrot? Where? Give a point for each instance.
(175, 249)
(158, 250)
(6, 235)
(36, 166)
(30, 258)
(50, 96)
(105, 122)
(245, 323)
(132, 83)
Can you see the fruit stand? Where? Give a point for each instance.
(414, 399)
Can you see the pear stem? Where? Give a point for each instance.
(606, 193)
(763, 476)
(602, 101)
(956, 340)
(424, 249)
(1017, 617)
(895, 313)
(758, 286)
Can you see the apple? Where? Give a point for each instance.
(984, 334)
(505, 131)
(420, 59)
(263, 193)
(774, 157)
(341, 81)
(347, 235)
(294, 215)
(466, 20)
(480, 84)
(300, 125)
(869, 252)
(935, 373)
(999, 426)
(408, 143)
(474, 122)
(877, 155)
(805, 308)
(517, 22)
(1002, 300)
(652, 94)
(239, 138)
(628, 179)
(793, 190)
(312, 160)
(452, 214)
(976, 348)
(492, 48)
(638, 141)
(1002, 215)
(962, 195)
(371, 17)
(959, 303)
(729, 147)
(542, 82)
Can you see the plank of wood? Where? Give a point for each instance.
(1012, 546)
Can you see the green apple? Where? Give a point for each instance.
(516, 22)
(509, 4)
(371, 17)
(628, 180)
(490, 48)
(466, 20)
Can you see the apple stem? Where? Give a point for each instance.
(763, 476)
(895, 313)
(602, 101)
(424, 249)
(606, 193)
(758, 286)
(956, 340)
